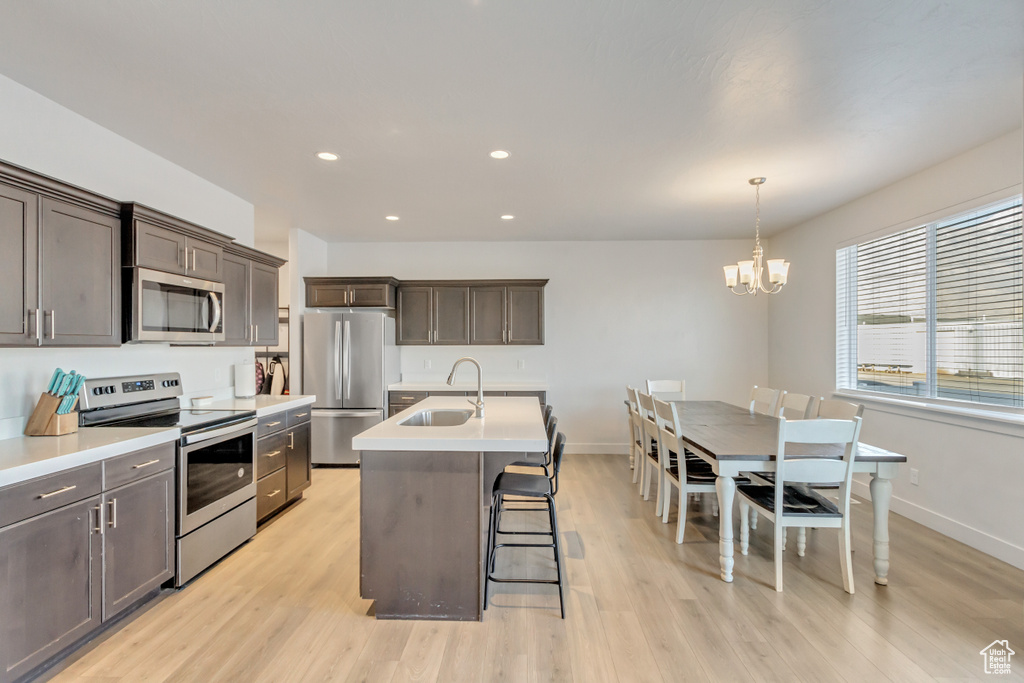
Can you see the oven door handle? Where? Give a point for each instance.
(190, 439)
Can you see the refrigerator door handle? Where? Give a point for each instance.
(348, 359)
(337, 360)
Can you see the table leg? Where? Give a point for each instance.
(726, 488)
(881, 493)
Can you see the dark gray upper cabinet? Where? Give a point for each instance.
(60, 263)
(250, 297)
(79, 266)
(326, 292)
(18, 261)
(237, 323)
(525, 314)
(415, 315)
(153, 239)
(480, 312)
(487, 315)
(264, 304)
(138, 540)
(451, 315)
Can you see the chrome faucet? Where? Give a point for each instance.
(479, 403)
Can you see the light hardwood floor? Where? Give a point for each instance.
(286, 606)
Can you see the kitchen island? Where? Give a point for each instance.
(425, 495)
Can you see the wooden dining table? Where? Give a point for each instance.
(733, 440)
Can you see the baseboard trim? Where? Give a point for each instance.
(968, 535)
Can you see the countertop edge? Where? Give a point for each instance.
(263, 404)
(59, 463)
(461, 386)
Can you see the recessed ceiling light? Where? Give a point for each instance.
(391, 218)
(328, 156)
(507, 217)
(499, 154)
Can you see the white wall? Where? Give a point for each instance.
(40, 135)
(308, 256)
(616, 313)
(970, 472)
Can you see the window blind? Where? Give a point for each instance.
(939, 310)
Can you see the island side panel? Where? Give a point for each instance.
(420, 520)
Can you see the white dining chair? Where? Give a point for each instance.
(796, 406)
(787, 505)
(765, 401)
(686, 474)
(651, 467)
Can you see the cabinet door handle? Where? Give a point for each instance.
(273, 493)
(99, 519)
(53, 323)
(112, 522)
(271, 454)
(145, 464)
(291, 439)
(193, 261)
(58, 491)
(256, 333)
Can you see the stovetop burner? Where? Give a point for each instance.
(187, 420)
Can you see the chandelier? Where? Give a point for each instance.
(750, 274)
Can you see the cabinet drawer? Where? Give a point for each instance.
(271, 452)
(406, 397)
(270, 493)
(128, 468)
(271, 423)
(34, 497)
(297, 416)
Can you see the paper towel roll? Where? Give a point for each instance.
(245, 380)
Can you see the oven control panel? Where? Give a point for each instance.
(107, 392)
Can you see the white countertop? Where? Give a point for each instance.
(441, 385)
(263, 404)
(510, 424)
(29, 457)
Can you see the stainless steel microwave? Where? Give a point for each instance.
(166, 307)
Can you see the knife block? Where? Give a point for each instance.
(45, 421)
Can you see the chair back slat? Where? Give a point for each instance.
(667, 439)
(834, 409)
(669, 395)
(765, 401)
(796, 406)
(655, 386)
(556, 460)
(811, 469)
(647, 415)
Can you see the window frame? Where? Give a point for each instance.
(846, 360)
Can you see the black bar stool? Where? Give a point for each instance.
(536, 487)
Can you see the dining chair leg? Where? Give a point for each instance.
(845, 558)
(556, 549)
(634, 463)
(714, 507)
(681, 525)
(647, 475)
(785, 538)
(753, 518)
(801, 540)
(745, 511)
(667, 503)
(660, 499)
(779, 534)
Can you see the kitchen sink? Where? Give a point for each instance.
(437, 418)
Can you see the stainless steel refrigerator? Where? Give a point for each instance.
(348, 360)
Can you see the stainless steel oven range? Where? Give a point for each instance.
(216, 465)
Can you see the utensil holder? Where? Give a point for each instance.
(45, 421)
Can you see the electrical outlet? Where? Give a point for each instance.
(426, 364)
(522, 365)
(913, 476)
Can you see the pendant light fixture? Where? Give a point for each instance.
(749, 274)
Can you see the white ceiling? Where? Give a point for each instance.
(626, 119)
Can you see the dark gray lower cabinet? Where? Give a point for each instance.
(65, 570)
(299, 464)
(138, 541)
(50, 585)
